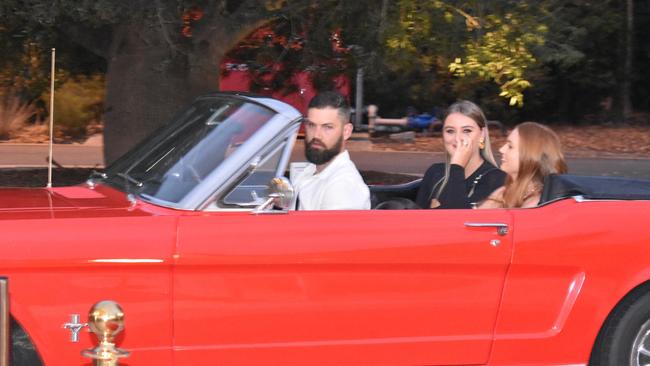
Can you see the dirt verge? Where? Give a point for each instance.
(625, 141)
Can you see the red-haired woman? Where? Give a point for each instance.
(531, 153)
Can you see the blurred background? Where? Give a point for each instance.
(124, 68)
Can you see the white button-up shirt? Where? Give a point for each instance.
(337, 187)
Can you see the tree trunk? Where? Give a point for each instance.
(382, 20)
(141, 92)
(149, 80)
(154, 71)
(564, 107)
(626, 98)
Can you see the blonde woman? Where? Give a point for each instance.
(470, 173)
(531, 152)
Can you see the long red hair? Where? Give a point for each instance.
(540, 154)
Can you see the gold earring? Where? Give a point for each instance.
(481, 144)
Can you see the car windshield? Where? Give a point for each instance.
(180, 155)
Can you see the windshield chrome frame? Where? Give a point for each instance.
(285, 123)
(240, 172)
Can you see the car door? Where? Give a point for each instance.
(416, 287)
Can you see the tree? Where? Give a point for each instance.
(577, 70)
(157, 58)
(162, 53)
(279, 50)
(626, 97)
(495, 46)
(153, 69)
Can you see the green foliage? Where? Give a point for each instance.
(502, 54)
(95, 12)
(495, 47)
(25, 63)
(23, 69)
(77, 103)
(578, 63)
(415, 40)
(559, 56)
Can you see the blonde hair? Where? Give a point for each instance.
(474, 112)
(540, 154)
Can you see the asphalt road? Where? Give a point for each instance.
(417, 163)
(414, 163)
(36, 155)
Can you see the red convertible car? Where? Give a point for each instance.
(209, 266)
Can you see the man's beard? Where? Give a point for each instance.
(324, 155)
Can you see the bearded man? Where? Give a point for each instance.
(331, 181)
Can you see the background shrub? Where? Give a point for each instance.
(78, 102)
(14, 113)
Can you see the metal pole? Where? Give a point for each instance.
(4, 322)
(359, 100)
(49, 165)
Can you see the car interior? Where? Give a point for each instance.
(556, 187)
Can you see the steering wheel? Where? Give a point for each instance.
(398, 203)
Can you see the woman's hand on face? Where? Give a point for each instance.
(463, 152)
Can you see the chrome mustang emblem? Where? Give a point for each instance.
(74, 326)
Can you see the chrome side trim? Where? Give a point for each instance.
(286, 156)
(581, 199)
(4, 322)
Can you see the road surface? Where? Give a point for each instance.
(414, 163)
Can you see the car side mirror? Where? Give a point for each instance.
(280, 197)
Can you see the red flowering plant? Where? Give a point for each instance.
(274, 53)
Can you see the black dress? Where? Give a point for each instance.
(459, 192)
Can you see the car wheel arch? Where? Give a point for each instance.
(23, 351)
(602, 343)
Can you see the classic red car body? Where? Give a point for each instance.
(379, 287)
(364, 288)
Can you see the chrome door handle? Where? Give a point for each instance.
(502, 229)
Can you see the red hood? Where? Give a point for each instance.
(61, 198)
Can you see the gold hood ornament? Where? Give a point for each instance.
(106, 320)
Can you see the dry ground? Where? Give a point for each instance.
(629, 141)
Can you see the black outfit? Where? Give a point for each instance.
(459, 192)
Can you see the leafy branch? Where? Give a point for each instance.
(501, 55)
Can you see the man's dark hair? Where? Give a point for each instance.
(334, 100)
